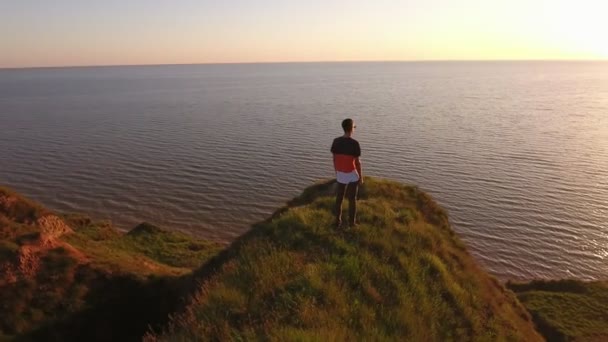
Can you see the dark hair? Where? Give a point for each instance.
(347, 125)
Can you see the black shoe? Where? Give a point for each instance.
(353, 225)
(338, 224)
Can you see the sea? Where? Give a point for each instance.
(517, 152)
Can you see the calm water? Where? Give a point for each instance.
(517, 152)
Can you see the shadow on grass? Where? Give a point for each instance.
(119, 308)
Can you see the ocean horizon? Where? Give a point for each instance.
(516, 151)
(587, 61)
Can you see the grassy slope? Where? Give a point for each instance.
(567, 309)
(143, 250)
(402, 274)
(94, 283)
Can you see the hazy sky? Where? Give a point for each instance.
(82, 32)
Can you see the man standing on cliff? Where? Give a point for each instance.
(347, 165)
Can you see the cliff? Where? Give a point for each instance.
(402, 274)
(567, 310)
(65, 277)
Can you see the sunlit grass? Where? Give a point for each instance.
(401, 274)
(93, 277)
(144, 250)
(567, 309)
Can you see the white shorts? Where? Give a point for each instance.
(347, 177)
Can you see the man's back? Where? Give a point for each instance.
(346, 150)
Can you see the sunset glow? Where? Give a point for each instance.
(580, 26)
(69, 32)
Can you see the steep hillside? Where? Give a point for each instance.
(402, 274)
(567, 310)
(68, 278)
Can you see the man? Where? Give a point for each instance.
(347, 165)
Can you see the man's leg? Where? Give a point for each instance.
(339, 198)
(353, 189)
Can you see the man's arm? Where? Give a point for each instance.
(333, 153)
(358, 166)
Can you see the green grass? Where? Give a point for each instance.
(144, 250)
(95, 283)
(401, 274)
(567, 310)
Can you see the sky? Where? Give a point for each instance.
(36, 33)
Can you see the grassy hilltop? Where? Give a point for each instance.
(402, 274)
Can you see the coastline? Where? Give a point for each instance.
(64, 251)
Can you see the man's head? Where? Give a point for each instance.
(348, 125)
